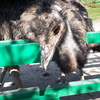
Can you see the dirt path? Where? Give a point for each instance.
(96, 25)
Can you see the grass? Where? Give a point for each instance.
(94, 13)
(93, 10)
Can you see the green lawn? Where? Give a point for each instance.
(94, 13)
(93, 10)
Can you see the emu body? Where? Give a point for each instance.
(35, 20)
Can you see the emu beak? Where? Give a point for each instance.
(46, 57)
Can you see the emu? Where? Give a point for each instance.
(71, 53)
(36, 20)
(52, 23)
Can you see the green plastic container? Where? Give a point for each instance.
(17, 52)
(92, 37)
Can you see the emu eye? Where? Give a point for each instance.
(56, 30)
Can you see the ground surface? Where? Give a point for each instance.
(33, 75)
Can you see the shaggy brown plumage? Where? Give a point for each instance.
(95, 46)
(54, 24)
(71, 54)
(35, 20)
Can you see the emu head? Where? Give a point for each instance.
(45, 27)
(52, 31)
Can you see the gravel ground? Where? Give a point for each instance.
(33, 75)
(96, 25)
